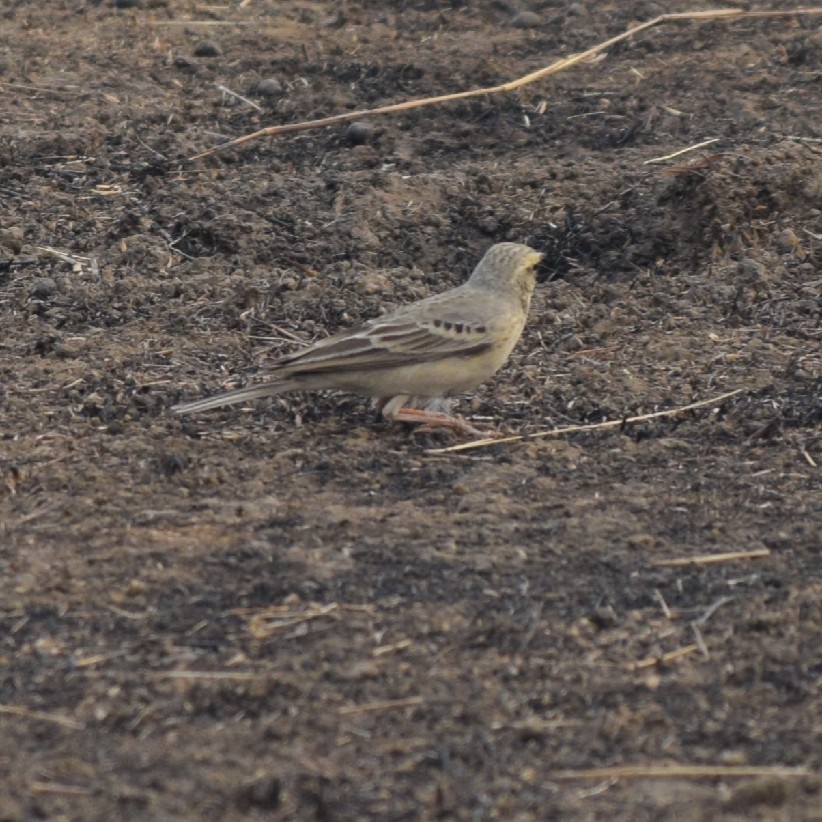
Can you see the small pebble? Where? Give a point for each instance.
(12, 239)
(359, 132)
(44, 287)
(172, 463)
(262, 794)
(604, 617)
(184, 64)
(768, 792)
(489, 226)
(270, 87)
(207, 48)
(92, 404)
(526, 20)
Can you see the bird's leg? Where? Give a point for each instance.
(431, 420)
(395, 411)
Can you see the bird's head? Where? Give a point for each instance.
(509, 269)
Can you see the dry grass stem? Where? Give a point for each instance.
(229, 676)
(576, 429)
(230, 93)
(711, 559)
(56, 719)
(201, 23)
(278, 618)
(808, 458)
(42, 89)
(671, 656)
(712, 610)
(664, 605)
(386, 705)
(676, 771)
(78, 262)
(556, 67)
(681, 151)
(700, 641)
(388, 649)
(56, 789)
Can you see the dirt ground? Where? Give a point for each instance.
(291, 609)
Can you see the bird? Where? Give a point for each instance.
(410, 359)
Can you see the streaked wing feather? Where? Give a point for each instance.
(388, 344)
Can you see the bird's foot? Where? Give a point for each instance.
(434, 420)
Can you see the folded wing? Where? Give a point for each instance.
(390, 342)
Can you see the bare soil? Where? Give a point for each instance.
(291, 609)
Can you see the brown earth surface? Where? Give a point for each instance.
(291, 609)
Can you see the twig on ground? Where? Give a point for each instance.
(671, 656)
(63, 721)
(681, 151)
(712, 609)
(202, 23)
(78, 262)
(576, 429)
(277, 618)
(231, 93)
(388, 704)
(664, 605)
(808, 458)
(711, 559)
(700, 640)
(229, 676)
(558, 66)
(58, 789)
(676, 771)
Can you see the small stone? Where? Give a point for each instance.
(359, 132)
(262, 794)
(488, 226)
(207, 48)
(126, 4)
(769, 792)
(172, 463)
(526, 20)
(44, 287)
(93, 405)
(604, 617)
(270, 87)
(12, 239)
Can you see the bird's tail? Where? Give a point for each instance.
(251, 392)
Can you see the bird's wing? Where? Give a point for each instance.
(395, 340)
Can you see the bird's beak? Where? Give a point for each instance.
(534, 260)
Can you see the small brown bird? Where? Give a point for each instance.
(424, 351)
